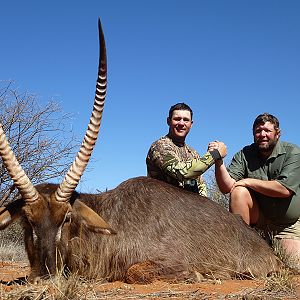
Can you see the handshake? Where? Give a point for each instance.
(220, 146)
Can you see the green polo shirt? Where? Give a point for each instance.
(283, 165)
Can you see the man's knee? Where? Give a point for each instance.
(243, 203)
(239, 192)
(240, 196)
(237, 199)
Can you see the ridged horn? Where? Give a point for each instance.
(76, 170)
(17, 174)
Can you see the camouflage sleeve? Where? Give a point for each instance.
(202, 188)
(190, 169)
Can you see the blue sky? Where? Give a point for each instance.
(229, 60)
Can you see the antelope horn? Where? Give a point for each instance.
(17, 174)
(76, 170)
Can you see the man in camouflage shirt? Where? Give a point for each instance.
(171, 160)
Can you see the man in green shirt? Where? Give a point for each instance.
(263, 180)
(171, 160)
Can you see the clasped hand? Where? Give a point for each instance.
(220, 146)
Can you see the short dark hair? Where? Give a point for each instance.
(266, 117)
(180, 106)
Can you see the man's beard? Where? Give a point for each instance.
(267, 148)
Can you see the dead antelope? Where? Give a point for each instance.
(161, 231)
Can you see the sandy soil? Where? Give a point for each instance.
(11, 272)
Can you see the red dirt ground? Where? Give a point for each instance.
(228, 289)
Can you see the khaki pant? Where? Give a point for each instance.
(280, 231)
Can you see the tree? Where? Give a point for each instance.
(213, 190)
(37, 135)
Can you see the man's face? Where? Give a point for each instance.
(180, 124)
(266, 136)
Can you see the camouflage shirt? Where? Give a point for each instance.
(179, 165)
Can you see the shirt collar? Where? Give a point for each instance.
(177, 143)
(278, 149)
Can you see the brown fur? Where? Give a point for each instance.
(177, 230)
(173, 231)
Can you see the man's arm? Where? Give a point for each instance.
(224, 180)
(190, 169)
(286, 183)
(163, 156)
(270, 188)
(195, 167)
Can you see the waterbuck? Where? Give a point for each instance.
(155, 230)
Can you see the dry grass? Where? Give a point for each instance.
(12, 251)
(11, 243)
(57, 288)
(91, 291)
(77, 288)
(278, 286)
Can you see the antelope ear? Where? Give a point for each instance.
(91, 219)
(5, 218)
(10, 213)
